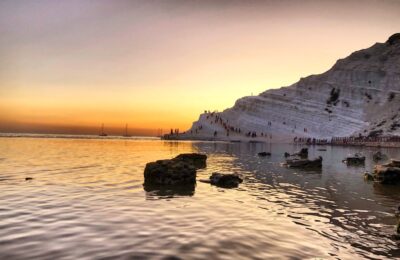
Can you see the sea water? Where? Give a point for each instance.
(86, 200)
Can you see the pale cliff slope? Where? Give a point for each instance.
(359, 94)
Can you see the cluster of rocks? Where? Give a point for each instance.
(182, 171)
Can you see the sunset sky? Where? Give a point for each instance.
(68, 66)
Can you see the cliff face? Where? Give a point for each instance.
(359, 94)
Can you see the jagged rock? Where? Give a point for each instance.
(350, 98)
(394, 38)
(196, 159)
(388, 173)
(394, 163)
(169, 172)
(378, 156)
(179, 170)
(263, 154)
(305, 163)
(355, 160)
(224, 180)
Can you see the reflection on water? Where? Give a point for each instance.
(169, 191)
(87, 201)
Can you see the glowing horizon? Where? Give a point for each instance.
(159, 64)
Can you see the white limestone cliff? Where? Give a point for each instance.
(359, 94)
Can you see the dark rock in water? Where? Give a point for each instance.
(179, 170)
(388, 173)
(305, 163)
(28, 178)
(169, 172)
(355, 160)
(303, 153)
(263, 154)
(378, 156)
(224, 180)
(196, 159)
(394, 163)
(368, 176)
(322, 149)
(286, 154)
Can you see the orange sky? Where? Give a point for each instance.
(68, 65)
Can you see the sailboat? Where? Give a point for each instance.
(102, 131)
(126, 131)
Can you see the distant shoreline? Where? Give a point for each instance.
(69, 136)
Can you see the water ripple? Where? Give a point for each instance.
(87, 201)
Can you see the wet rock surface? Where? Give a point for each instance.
(388, 173)
(305, 163)
(177, 171)
(224, 180)
(169, 172)
(355, 160)
(196, 159)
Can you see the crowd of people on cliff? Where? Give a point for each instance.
(215, 118)
(309, 140)
(364, 139)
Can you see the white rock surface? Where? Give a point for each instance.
(369, 99)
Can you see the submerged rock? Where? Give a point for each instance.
(378, 156)
(224, 180)
(355, 160)
(263, 154)
(305, 163)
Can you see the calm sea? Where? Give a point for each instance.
(86, 201)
